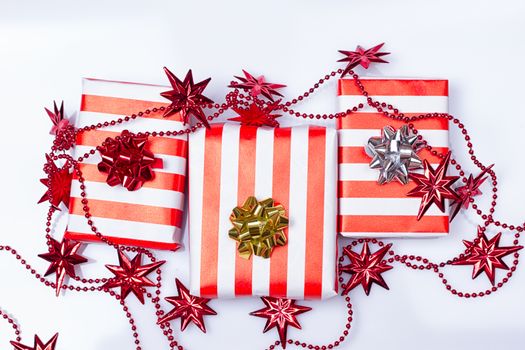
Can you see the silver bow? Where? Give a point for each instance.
(394, 154)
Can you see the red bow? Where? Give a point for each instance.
(126, 161)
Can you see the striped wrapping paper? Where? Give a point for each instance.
(150, 217)
(365, 207)
(295, 166)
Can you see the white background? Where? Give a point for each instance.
(47, 46)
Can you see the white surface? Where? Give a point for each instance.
(47, 46)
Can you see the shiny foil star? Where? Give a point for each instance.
(131, 275)
(63, 258)
(486, 255)
(57, 118)
(362, 57)
(186, 97)
(467, 191)
(257, 116)
(366, 268)
(188, 308)
(58, 185)
(280, 313)
(394, 154)
(257, 86)
(39, 345)
(434, 186)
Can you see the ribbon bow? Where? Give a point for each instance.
(258, 227)
(126, 161)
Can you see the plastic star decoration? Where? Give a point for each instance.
(257, 86)
(57, 118)
(186, 97)
(467, 191)
(486, 255)
(58, 184)
(434, 186)
(131, 275)
(63, 258)
(257, 116)
(280, 313)
(39, 345)
(187, 308)
(362, 57)
(366, 268)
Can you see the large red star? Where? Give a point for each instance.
(362, 57)
(257, 86)
(280, 313)
(188, 308)
(486, 255)
(63, 258)
(186, 97)
(467, 191)
(58, 184)
(57, 118)
(434, 186)
(366, 268)
(131, 275)
(257, 116)
(39, 345)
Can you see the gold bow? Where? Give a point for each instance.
(258, 227)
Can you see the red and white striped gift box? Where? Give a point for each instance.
(365, 207)
(150, 217)
(295, 166)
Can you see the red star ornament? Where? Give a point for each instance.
(58, 184)
(39, 345)
(467, 191)
(280, 313)
(257, 116)
(366, 268)
(486, 255)
(257, 86)
(63, 258)
(362, 57)
(433, 186)
(186, 97)
(131, 275)
(188, 308)
(57, 118)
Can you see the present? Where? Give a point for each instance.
(144, 210)
(367, 208)
(256, 192)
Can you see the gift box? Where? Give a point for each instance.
(148, 217)
(367, 208)
(297, 168)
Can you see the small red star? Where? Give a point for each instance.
(434, 186)
(188, 308)
(58, 184)
(362, 57)
(467, 191)
(57, 118)
(257, 116)
(186, 97)
(131, 275)
(39, 345)
(280, 313)
(257, 86)
(63, 258)
(486, 255)
(366, 268)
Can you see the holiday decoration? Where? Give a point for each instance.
(186, 97)
(486, 255)
(280, 313)
(367, 208)
(152, 216)
(58, 184)
(362, 57)
(63, 258)
(433, 186)
(38, 345)
(257, 116)
(188, 308)
(130, 276)
(467, 191)
(257, 86)
(296, 167)
(57, 118)
(258, 226)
